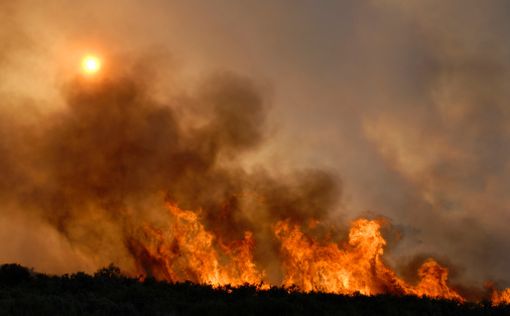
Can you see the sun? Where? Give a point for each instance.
(91, 64)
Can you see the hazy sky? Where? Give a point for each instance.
(406, 102)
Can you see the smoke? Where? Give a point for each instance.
(103, 167)
(445, 132)
(406, 101)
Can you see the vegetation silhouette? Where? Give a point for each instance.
(109, 292)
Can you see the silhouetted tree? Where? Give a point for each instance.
(13, 274)
(108, 292)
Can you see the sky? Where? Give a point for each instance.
(404, 104)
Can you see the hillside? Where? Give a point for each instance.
(108, 292)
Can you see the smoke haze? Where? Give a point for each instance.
(253, 113)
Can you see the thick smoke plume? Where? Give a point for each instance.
(163, 193)
(408, 102)
(104, 166)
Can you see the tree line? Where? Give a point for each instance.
(109, 292)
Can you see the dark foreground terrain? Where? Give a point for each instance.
(107, 292)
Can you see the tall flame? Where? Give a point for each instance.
(186, 251)
(314, 267)
(356, 268)
(500, 297)
(433, 282)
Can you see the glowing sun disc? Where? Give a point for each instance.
(90, 64)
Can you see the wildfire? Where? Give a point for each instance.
(314, 267)
(356, 268)
(433, 282)
(186, 251)
(500, 297)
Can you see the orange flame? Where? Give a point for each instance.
(356, 268)
(186, 251)
(314, 267)
(500, 297)
(433, 282)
